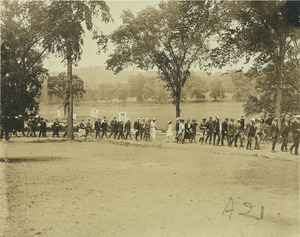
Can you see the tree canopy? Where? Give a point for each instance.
(170, 38)
(267, 32)
(22, 71)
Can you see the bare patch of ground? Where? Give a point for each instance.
(129, 188)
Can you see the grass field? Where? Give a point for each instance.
(162, 113)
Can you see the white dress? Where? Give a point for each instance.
(152, 130)
(170, 130)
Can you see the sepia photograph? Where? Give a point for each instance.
(146, 118)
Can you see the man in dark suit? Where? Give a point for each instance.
(121, 130)
(114, 127)
(216, 130)
(242, 123)
(250, 133)
(285, 130)
(295, 128)
(97, 126)
(127, 129)
(56, 125)
(21, 125)
(193, 130)
(274, 133)
(43, 128)
(136, 127)
(104, 127)
(88, 128)
(209, 125)
(239, 133)
(224, 131)
(230, 132)
(142, 128)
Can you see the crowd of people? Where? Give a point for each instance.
(233, 132)
(236, 133)
(37, 126)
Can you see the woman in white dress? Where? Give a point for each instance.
(81, 131)
(170, 130)
(153, 128)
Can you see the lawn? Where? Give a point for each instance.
(52, 187)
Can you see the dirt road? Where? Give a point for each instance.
(111, 188)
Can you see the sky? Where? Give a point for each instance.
(90, 56)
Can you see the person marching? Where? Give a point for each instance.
(239, 133)
(35, 121)
(259, 133)
(56, 125)
(142, 128)
(177, 126)
(104, 127)
(209, 126)
(274, 132)
(170, 130)
(147, 130)
(153, 128)
(295, 128)
(216, 131)
(43, 128)
(224, 131)
(285, 130)
(202, 127)
(136, 127)
(181, 131)
(230, 132)
(97, 127)
(88, 128)
(250, 133)
(114, 128)
(82, 130)
(121, 130)
(193, 130)
(127, 128)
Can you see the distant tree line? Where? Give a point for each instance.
(150, 89)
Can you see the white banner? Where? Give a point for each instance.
(122, 116)
(94, 113)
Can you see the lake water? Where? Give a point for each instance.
(162, 113)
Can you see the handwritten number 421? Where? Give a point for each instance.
(230, 207)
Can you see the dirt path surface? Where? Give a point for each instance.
(111, 188)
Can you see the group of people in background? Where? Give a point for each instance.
(143, 130)
(237, 132)
(37, 126)
(211, 131)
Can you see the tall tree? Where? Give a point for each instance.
(22, 71)
(67, 38)
(170, 38)
(265, 31)
(58, 86)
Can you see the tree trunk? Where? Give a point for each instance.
(177, 102)
(65, 110)
(70, 135)
(278, 101)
